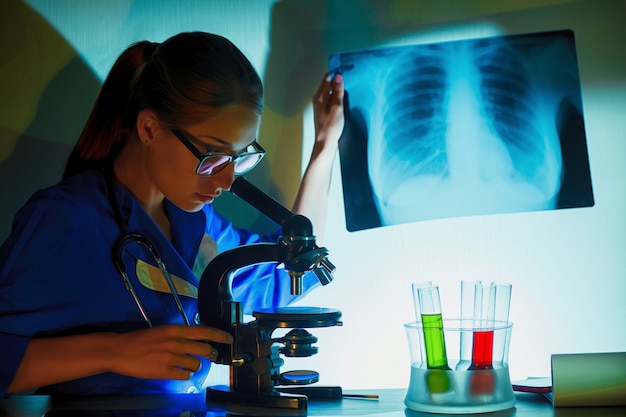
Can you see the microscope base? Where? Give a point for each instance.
(271, 400)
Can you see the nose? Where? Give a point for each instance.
(225, 178)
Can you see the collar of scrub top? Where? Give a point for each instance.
(127, 238)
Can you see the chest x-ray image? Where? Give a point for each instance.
(463, 128)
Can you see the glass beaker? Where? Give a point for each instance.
(460, 390)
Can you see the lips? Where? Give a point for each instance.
(206, 198)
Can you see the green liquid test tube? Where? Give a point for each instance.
(416, 301)
(432, 323)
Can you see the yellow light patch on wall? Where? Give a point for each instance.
(33, 52)
(281, 136)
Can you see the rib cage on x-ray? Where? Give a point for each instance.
(508, 98)
(413, 120)
(464, 128)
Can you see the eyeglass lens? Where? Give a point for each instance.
(243, 163)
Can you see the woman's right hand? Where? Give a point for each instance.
(165, 352)
(162, 352)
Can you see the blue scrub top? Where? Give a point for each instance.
(57, 276)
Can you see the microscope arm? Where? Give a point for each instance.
(262, 202)
(216, 305)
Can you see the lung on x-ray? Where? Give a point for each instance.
(462, 128)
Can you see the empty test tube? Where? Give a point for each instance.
(471, 301)
(432, 324)
(499, 301)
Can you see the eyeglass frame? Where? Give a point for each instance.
(187, 139)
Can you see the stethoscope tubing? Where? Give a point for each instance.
(119, 247)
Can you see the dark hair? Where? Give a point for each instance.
(185, 80)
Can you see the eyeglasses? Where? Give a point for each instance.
(211, 163)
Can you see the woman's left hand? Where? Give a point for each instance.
(312, 198)
(328, 110)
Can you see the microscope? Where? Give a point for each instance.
(254, 356)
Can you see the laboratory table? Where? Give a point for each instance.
(389, 404)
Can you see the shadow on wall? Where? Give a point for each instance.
(47, 91)
(303, 35)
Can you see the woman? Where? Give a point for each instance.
(172, 126)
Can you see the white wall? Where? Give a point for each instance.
(567, 267)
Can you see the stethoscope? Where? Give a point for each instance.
(127, 238)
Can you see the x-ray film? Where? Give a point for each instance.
(463, 128)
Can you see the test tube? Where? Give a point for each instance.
(432, 324)
(471, 302)
(499, 301)
(482, 336)
(416, 303)
(497, 310)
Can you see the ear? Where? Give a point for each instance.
(147, 125)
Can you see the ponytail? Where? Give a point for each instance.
(110, 122)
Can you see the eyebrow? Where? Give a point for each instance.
(207, 146)
(193, 139)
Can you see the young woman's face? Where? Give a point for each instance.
(172, 166)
